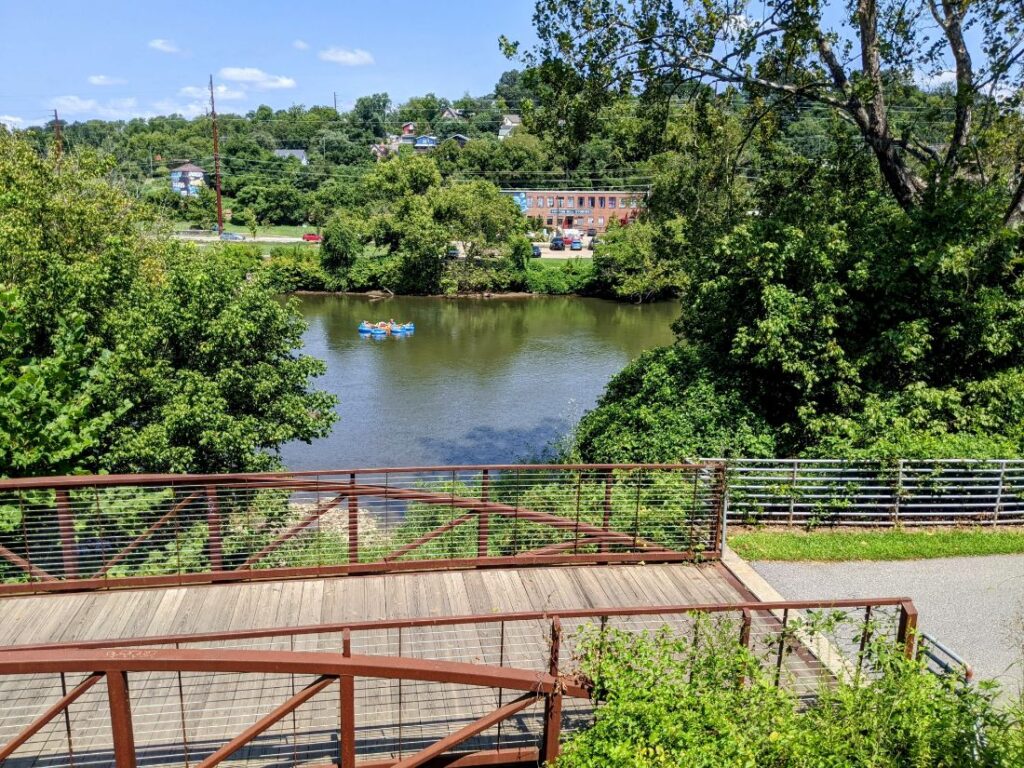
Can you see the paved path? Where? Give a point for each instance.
(969, 603)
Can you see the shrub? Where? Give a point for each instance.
(568, 277)
(679, 701)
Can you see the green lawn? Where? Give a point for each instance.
(557, 262)
(283, 230)
(888, 544)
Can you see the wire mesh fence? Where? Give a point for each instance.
(906, 493)
(62, 533)
(182, 715)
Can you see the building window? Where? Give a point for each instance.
(611, 202)
(561, 202)
(551, 202)
(600, 202)
(590, 220)
(600, 220)
(550, 221)
(529, 202)
(579, 201)
(592, 203)
(632, 203)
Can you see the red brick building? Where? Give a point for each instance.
(567, 209)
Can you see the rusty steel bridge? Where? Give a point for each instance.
(370, 617)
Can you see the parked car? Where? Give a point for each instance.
(592, 232)
(557, 244)
(312, 237)
(594, 242)
(536, 252)
(231, 236)
(576, 245)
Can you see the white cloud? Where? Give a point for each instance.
(105, 80)
(300, 45)
(11, 121)
(164, 46)
(220, 91)
(936, 79)
(256, 77)
(356, 57)
(172, 107)
(113, 109)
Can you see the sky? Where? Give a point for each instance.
(113, 59)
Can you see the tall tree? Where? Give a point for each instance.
(850, 61)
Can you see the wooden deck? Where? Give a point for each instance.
(392, 718)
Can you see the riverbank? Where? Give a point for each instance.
(301, 269)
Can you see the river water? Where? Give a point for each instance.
(481, 380)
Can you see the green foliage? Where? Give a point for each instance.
(342, 243)
(51, 414)
(670, 701)
(145, 354)
(573, 276)
(664, 408)
(297, 268)
(631, 262)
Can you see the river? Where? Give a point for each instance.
(481, 380)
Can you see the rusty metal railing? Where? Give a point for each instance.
(493, 689)
(95, 532)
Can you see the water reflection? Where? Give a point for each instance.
(480, 380)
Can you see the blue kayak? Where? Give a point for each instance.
(385, 329)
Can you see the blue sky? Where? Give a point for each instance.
(114, 60)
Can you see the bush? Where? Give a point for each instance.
(297, 268)
(570, 277)
(707, 703)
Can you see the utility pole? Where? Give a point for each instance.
(58, 139)
(216, 161)
(335, 101)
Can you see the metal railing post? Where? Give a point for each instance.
(553, 701)
(607, 520)
(999, 492)
(483, 518)
(353, 522)
(66, 524)
(214, 539)
(907, 632)
(121, 719)
(347, 705)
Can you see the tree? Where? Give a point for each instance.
(634, 264)
(793, 53)
(149, 355)
(342, 243)
(246, 218)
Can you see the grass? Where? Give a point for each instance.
(874, 544)
(282, 230)
(557, 262)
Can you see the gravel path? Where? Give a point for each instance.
(970, 604)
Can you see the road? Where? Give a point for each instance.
(974, 605)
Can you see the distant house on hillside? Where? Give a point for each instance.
(188, 179)
(450, 113)
(408, 129)
(508, 124)
(425, 143)
(460, 139)
(299, 154)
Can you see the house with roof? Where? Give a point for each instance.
(459, 138)
(425, 143)
(450, 113)
(508, 124)
(188, 179)
(298, 154)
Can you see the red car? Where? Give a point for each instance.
(311, 237)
